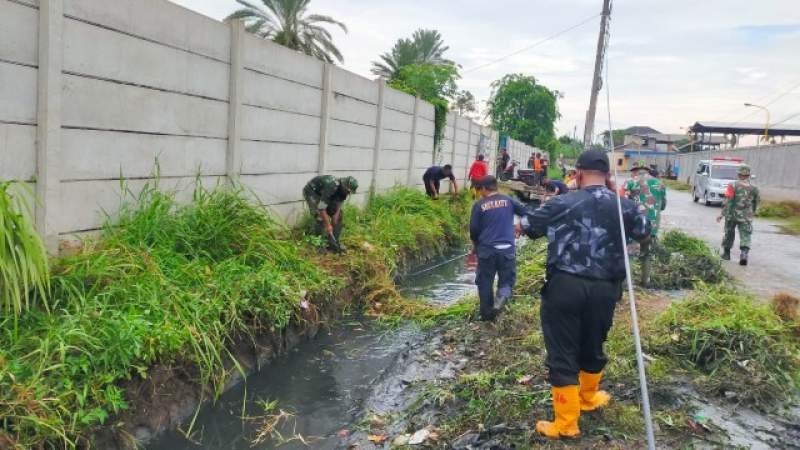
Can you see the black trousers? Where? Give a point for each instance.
(576, 315)
(503, 264)
(428, 189)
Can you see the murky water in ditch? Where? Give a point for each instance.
(326, 382)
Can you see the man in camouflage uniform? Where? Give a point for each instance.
(651, 195)
(741, 202)
(324, 195)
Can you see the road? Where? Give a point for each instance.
(774, 257)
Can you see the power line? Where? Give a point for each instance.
(785, 119)
(548, 38)
(780, 96)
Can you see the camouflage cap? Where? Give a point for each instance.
(350, 183)
(640, 165)
(744, 169)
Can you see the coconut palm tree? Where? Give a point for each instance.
(424, 47)
(288, 23)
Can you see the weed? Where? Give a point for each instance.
(677, 185)
(780, 210)
(680, 260)
(738, 346)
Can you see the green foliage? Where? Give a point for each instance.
(680, 260)
(424, 47)
(780, 210)
(165, 283)
(524, 109)
(433, 83)
(24, 271)
(677, 185)
(739, 346)
(464, 103)
(288, 23)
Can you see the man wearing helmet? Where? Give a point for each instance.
(324, 195)
(738, 209)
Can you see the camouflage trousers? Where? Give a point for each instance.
(745, 232)
(646, 250)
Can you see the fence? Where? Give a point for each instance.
(776, 167)
(94, 92)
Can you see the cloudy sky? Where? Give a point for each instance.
(671, 62)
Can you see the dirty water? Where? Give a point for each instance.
(329, 383)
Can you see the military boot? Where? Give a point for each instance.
(726, 254)
(743, 256)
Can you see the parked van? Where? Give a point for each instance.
(712, 178)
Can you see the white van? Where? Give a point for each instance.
(712, 178)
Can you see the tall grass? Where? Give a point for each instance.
(24, 271)
(178, 284)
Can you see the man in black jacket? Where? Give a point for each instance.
(585, 271)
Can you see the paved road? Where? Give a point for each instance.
(774, 259)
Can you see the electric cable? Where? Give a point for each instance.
(536, 44)
(648, 420)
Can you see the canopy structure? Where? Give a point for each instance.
(744, 128)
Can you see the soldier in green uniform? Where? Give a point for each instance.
(651, 195)
(741, 202)
(324, 195)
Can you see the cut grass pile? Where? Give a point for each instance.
(677, 185)
(680, 260)
(179, 284)
(737, 345)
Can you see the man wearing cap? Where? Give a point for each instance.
(491, 229)
(738, 209)
(651, 194)
(324, 195)
(434, 175)
(585, 270)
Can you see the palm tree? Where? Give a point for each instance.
(424, 47)
(286, 22)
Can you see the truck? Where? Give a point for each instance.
(712, 178)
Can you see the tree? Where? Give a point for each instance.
(619, 137)
(464, 103)
(524, 109)
(424, 47)
(433, 83)
(287, 22)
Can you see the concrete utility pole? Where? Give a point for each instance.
(597, 82)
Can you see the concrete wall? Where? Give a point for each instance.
(93, 93)
(776, 167)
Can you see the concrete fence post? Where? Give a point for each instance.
(455, 134)
(469, 151)
(376, 155)
(48, 128)
(413, 148)
(325, 117)
(233, 160)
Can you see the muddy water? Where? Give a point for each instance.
(326, 383)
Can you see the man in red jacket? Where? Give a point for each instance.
(478, 170)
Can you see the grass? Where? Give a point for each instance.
(677, 185)
(24, 271)
(787, 212)
(736, 345)
(680, 260)
(179, 284)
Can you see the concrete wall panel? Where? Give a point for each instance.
(278, 188)
(352, 110)
(100, 52)
(394, 160)
(423, 160)
(351, 134)
(278, 157)
(396, 140)
(17, 152)
(389, 178)
(424, 143)
(426, 127)
(90, 103)
(276, 93)
(348, 158)
(19, 27)
(91, 154)
(277, 60)
(353, 85)
(427, 111)
(85, 204)
(399, 101)
(397, 121)
(279, 126)
(157, 20)
(17, 93)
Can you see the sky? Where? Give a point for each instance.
(670, 62)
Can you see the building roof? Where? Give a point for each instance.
(662, 137)
(641, 131)
(744, 128)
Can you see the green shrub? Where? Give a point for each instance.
(780, 210)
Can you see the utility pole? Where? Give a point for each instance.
(597, 82)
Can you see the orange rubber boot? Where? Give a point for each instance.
(591, 397)
(567, 409)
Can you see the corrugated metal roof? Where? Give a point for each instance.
(744, 128)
